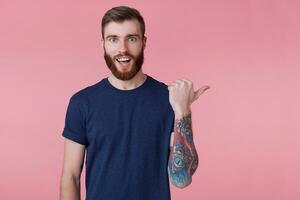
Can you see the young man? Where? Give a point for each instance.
(135, 130)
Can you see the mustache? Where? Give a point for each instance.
(125, 54)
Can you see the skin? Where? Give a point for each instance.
(72, 167)
(183, 158)
(124, 38)
(74, 153)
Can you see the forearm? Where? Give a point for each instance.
(69, 188)
(183, 159)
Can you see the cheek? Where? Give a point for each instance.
(135, 50)
(109, 49)
(111, 54)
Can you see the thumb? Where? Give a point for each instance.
(200, 91)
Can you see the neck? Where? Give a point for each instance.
(133, 83)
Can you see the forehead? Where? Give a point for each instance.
(122, 28)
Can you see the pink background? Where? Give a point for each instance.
(245, 126)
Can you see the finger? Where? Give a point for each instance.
(187, 81)
(178, 81)
(200, 91)
(171, 85)
(206, 87)
(203, 89)
(197, 94)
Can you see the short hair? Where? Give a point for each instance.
(120, 14)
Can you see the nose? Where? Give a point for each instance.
(122, 47)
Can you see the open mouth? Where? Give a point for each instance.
(123, 60)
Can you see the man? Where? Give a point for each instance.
(136, 130)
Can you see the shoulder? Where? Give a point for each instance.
(160, 91)
(83, 95)
(159, 84)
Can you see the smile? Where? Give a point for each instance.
(123, 59)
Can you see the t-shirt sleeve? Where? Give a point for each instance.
(75, 124)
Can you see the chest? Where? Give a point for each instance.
(140, 122)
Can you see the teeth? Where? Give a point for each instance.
(123, 59)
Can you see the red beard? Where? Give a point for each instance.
(136, 66)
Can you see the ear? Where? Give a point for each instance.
(102, 43)
(145, 41)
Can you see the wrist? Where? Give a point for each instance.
(182, 113)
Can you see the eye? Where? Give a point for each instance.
(113, 39)
(132, 39)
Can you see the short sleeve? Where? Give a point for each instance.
(75, 125)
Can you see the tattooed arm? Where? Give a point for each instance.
(183, 158)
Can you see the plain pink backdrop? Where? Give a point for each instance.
(245, 126)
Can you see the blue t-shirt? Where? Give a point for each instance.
(127, 136)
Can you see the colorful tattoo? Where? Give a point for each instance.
(183, 159)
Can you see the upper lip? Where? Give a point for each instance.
(120, 57)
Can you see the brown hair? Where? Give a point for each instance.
(120, 14)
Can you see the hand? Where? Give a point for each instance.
(182, 95)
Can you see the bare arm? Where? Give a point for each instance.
(183, 159)
(71, 172)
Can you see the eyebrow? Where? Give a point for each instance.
(129, 35)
